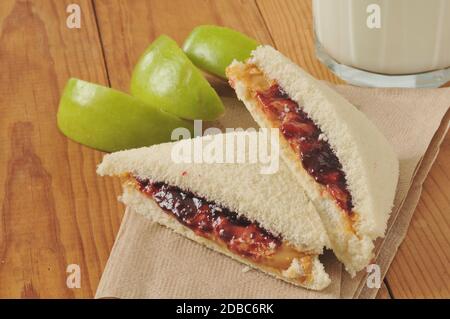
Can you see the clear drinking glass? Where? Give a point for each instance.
(385, 43)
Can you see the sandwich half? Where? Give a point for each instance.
(261, 220)
(343, 162)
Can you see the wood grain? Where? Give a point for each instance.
(422, 264)
(128, 27)
(54, 210)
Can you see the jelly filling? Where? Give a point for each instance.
(212, 221)
(308, 141)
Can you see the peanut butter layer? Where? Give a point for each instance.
(230, 231)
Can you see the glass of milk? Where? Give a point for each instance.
(385, 43)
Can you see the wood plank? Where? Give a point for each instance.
(128, 27)
(421, 266)
(54, 210)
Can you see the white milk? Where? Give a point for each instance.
(414, 35)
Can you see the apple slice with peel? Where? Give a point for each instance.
(165, 76)
(213, 48)
(110, 120)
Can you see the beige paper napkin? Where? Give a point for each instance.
(149, 261)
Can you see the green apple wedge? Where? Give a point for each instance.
(165, 76)
(109, 120)
(213, 48)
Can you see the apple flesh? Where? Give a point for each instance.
(109, 120)
(165, 76)
(213, 48)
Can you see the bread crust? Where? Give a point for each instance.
(139, 203)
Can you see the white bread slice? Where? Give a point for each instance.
(148, 208)
(273, 200)
(368, 160)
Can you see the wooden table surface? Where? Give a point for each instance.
(55, 211)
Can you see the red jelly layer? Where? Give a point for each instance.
(304, 136)
(210, 220)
